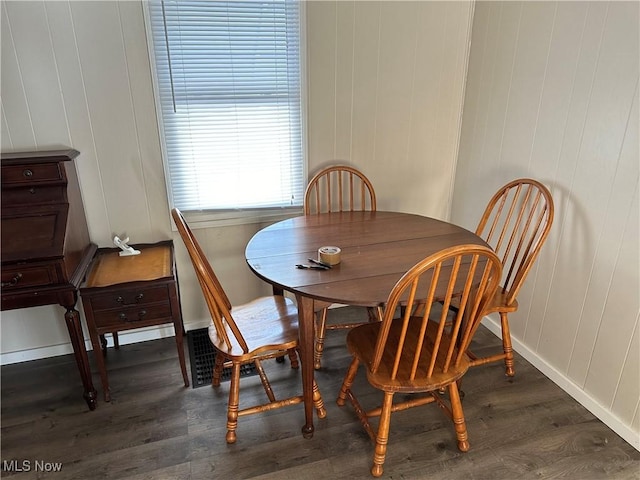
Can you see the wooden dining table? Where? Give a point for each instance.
(377, 248)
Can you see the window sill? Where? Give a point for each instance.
(226, 218)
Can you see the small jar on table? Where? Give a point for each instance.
(128, 292)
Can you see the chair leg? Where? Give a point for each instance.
(217, 370)
(234, 401)
(382, 437)
(348, 381)
(321, 323)
(265, 381)
(293, 358)
(374, 314)
(317, 401)
(457, 415)
(506, 346)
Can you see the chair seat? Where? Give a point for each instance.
(361, 342)
(267, 324)
(500, 304)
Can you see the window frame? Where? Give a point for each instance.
(241, 216)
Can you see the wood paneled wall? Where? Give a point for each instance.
(77, 73)
(386, 83)
(552, 93)
(385, 92)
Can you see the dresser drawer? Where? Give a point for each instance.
(31, 174)
(30, 275)
(129, 297)
(133, 316)
(33, 195)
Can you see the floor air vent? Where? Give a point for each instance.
(202, 356)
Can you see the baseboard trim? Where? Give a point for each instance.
(125, 338)
(603, 414)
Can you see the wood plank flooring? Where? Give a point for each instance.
(154, 428)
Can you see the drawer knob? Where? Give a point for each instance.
(16, 278)
(123, 316)
(27, 173)
(120, 299)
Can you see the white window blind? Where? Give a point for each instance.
(229, 85)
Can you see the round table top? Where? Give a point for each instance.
(377, 248)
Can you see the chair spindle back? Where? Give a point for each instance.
(339, 188)
(470, 273)
(516, 223)
(215, 296)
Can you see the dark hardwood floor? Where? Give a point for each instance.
(154, 428)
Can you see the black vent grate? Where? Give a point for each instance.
(202, 356)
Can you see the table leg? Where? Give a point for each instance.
(72, 319)
(98, 355)
(103, 344)
(305, 323)
(179, 329)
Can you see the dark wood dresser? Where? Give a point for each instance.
(46, 248)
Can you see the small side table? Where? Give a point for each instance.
(128, 292)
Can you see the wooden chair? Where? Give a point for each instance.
(516, 224)
(338, 188)
(423, 353)
(262, 329)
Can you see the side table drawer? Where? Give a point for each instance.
(132, 317)
(130, 297)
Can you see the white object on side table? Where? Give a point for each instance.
(126, 249)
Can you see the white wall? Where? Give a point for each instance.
(552, 94)
(385, 93)
(386, 83)
(77, 73)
